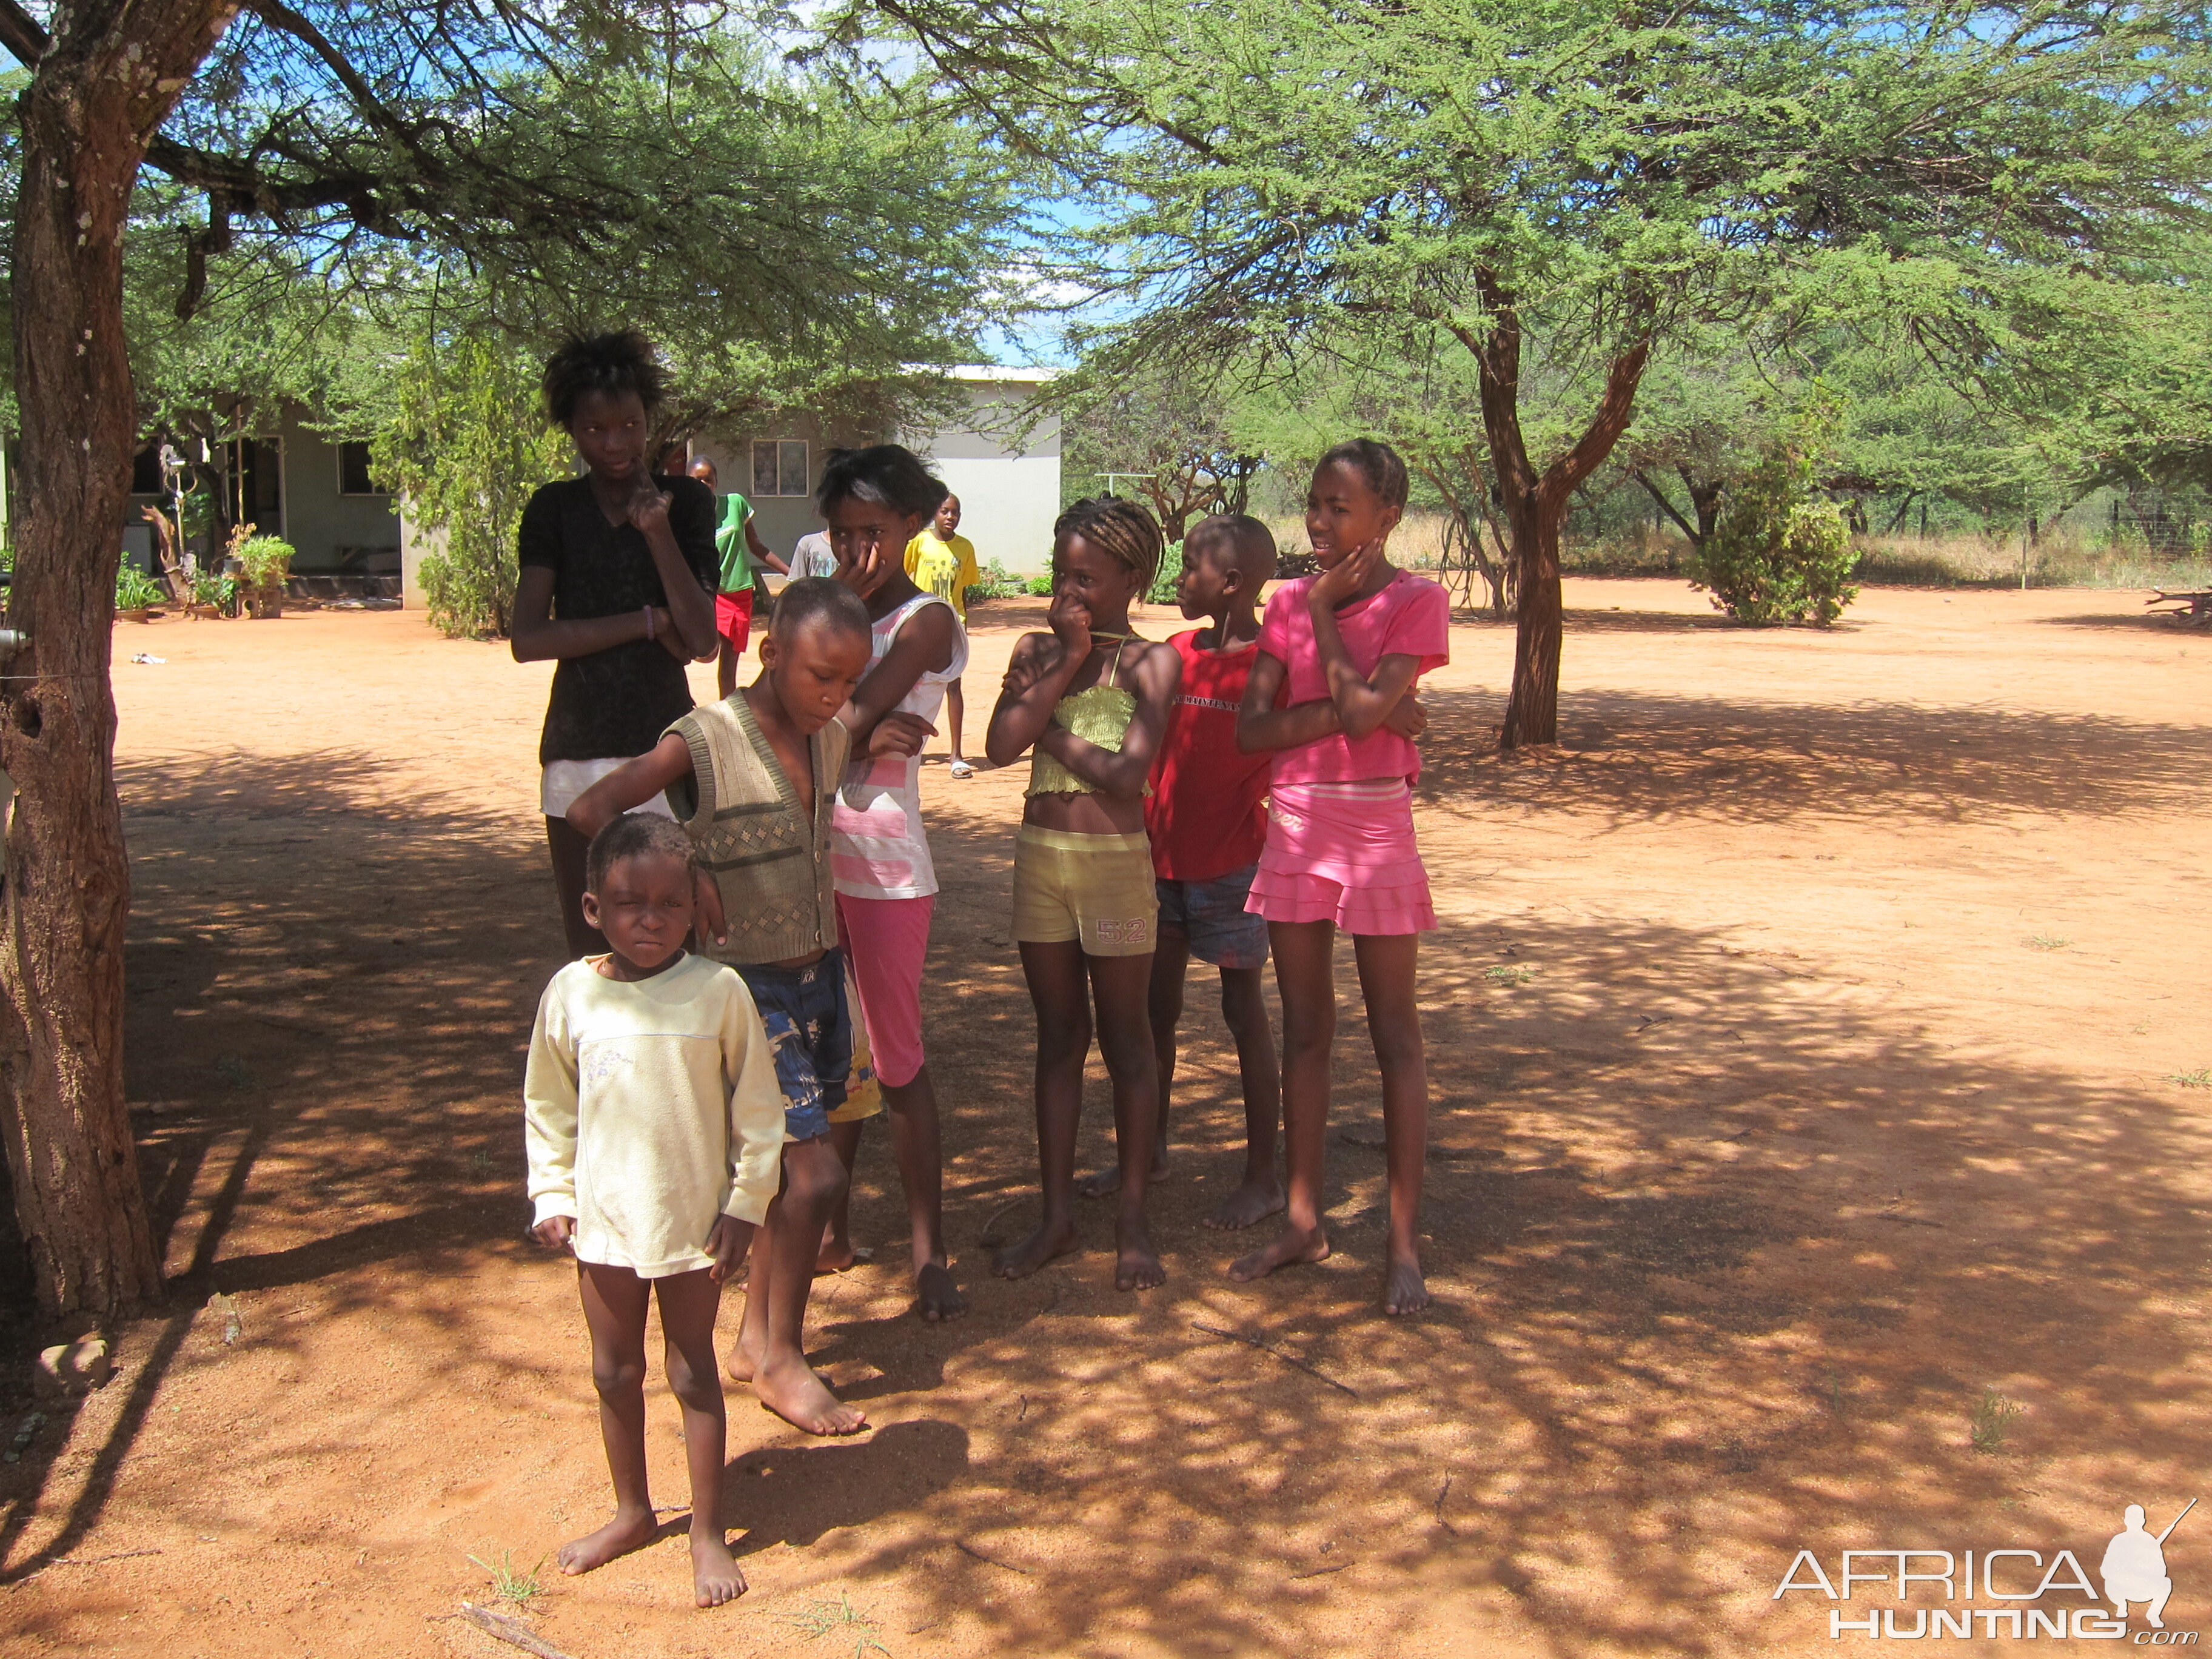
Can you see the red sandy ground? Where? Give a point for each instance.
(1829, 1086)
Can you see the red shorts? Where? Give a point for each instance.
(733, 617)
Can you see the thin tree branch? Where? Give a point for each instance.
(20, 34)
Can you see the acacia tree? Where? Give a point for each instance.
(1598, 182)
(1170, 430)
(517, 137)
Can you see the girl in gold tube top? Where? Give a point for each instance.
(1092, 700)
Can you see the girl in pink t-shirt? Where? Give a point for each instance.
(1331, 696)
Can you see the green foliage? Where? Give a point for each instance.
(1041, 586)
(218, 592)
(135, 590)
(466, 449)
(998, 583)
(1990, 1422)
(266, 561)
(1778, 554)
(1163, 590)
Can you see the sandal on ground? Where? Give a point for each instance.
(961, 768)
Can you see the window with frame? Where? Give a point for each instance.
(353, 476)
(779, 467)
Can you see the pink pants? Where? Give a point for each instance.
(887, 942)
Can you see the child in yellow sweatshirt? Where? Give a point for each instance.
(655, 1133)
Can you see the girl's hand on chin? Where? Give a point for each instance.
(1343, 580)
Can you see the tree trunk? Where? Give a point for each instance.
(100, 90)
(1531, 712)
(1537, 505)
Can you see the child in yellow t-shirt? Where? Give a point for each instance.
(942, 562)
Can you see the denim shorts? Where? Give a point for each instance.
(810, 1028)
(1213, 917)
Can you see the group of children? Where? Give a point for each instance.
(1239, 791)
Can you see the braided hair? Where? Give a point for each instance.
(1374, 461)
(1123, 529)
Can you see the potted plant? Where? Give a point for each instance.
(263, 562)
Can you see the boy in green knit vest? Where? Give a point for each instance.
(752, 779)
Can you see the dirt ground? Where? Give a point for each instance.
(1804, 1034)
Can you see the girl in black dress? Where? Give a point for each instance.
(617, 587)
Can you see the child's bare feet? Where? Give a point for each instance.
(1020, 1261)
(936, 1297)
(1251, 1203)
(837, 1256)
(791, 1389)
(744, 1363)
(1288, 1248)
(625, 1533)
(1404, 1290)
(1136, 1267)
(715, 1576)
(1104, 1183)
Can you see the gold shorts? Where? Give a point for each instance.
(1095, 891)
(863, 1095)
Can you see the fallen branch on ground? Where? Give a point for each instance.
(1291, 1360)
(507, 1630)
(969, 1550)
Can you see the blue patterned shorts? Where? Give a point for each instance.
(810, 1027)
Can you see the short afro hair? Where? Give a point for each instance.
(891, 474)
(1251, 546)
(1123, 529)
(634, 834)
(1376, 462)
(608, 363)
(818, 598)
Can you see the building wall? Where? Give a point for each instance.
(1008, 483)
(356, 534)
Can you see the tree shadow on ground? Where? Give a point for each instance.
(1637, 758)
(307, 948)
(1714, 1242)
(2164, 625)
(1724, 1249)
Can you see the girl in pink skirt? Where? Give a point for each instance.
(1332, 696)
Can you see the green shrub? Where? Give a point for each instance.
(466, 449)
(267, 561)
(135, 590)
(1779, 554)
(1041, 586)
(998, 583)
(1163, 590)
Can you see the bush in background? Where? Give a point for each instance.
(467, 449)
(1779, 552)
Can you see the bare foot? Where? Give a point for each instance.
(1104, 1183)
(790, 1389)
(936, 1297)
(1404, 1290)
(715, 1576)
(1020, 1261)
(619, 1537)
(838, 1257)
(1289, 1247)
(1253, 1202)
(1135, 1267)
(744, 1363)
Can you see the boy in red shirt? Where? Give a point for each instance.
(1207, 819)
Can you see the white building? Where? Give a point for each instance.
(1008, 481)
